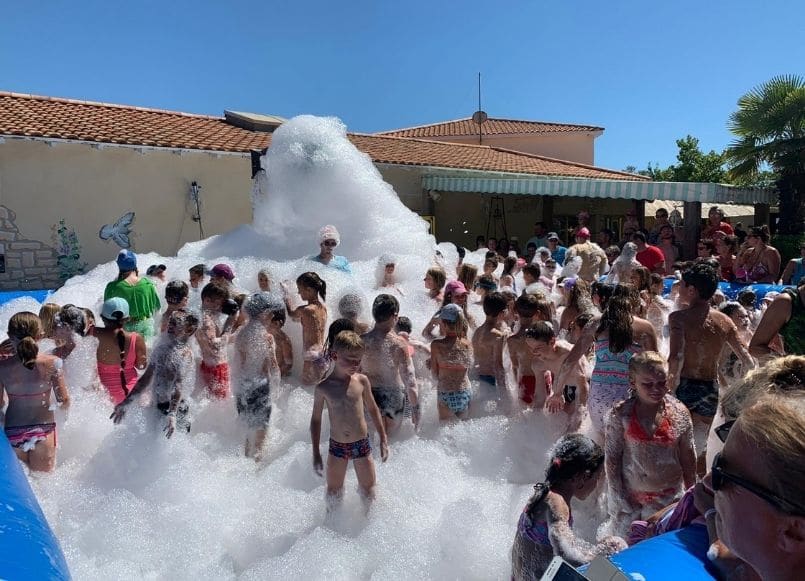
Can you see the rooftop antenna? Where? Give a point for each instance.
(480, 116)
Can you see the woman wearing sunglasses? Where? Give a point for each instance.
(329, 238)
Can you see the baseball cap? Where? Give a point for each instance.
(553, 236)
(115, 308)
(126, 261)
(455, 287)
(583, 233)
(450, 313)
(224, 271)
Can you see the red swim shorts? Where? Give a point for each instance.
(528, 387)
(216, 379)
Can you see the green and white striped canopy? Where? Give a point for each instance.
(594, 188)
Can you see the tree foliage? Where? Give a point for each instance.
(693, 165)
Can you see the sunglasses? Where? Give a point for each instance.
(332, 243)
(723, 430)
(720, 477)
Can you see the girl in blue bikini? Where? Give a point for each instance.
(451, 358)
(545, 526)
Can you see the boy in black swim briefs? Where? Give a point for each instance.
(346, 393)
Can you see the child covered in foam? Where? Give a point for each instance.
(257, 370)
(650, 457)
(169, 373)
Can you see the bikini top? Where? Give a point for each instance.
(536, 532)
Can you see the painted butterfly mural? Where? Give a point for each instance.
(119, 231)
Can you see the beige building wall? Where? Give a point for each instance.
(577, 147)
(90, 187)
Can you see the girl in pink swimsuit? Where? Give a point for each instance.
(120, 353)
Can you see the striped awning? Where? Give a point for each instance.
(592, 188)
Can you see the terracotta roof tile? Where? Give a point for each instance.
(48, 117)
(467, 127)
(404, 151)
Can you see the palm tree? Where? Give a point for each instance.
(770, 129)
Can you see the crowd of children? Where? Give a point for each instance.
(547, 342)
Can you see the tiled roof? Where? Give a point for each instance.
(404, 151)
(47, 117)
(35, 116)
(467, 127)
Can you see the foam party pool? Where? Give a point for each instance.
(126, 503)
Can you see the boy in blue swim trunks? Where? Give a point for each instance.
(346, 393)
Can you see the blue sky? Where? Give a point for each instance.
(648, 71)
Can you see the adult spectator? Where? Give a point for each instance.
(628, 232)
(223, 275)
(670, 249)
(660, 220)
(716, 223)
(705, 249)
(606, 238)
(784, 316)
(759, 498)
(760, 262)
(727, 249)
(583, 219)
(140, 294)
(530, 252)
(329, 238)
(795, 269)
(480, 242)
(492, 244)
(558, 251)
(740, 232)
(649, 256)
(593, 260)
(612, 252)
(540, 237)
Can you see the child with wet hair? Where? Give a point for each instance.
(347, 395)
(313, 317)
(388, 364)
(548, 354)
(545, 527)
(28, 379)
(47, 315)
(282, 341)
(177, 294)
(264, 279)
(528, 309)
(488, 343)
(650, 456)
(257, 371)
(451, 360)
(213, 339)
(70, 326)
(624, 265)
(351, 306)
(169, 374)
(435, 279)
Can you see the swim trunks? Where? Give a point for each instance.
(182, 414)
(390, 401)
(528, 388)
(458, 401)
(352, 450)
(699, 396)
(27, 437)
(490, 379)
(254, 405)
(216, 379)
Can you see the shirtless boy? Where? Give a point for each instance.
(388, 365)
(488, 342)
(549, 354)
(283, 342)
(530, 308)
(170, 373)
(213, 340)
(698, 333)
(347, 393)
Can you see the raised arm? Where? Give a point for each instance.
(773, 319)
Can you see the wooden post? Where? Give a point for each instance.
(547, 212)
(692, 213)
(762, 215)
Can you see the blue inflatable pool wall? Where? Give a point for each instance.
(28, 548)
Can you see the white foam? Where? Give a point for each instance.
(126, 503)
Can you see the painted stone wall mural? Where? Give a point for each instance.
(26, 264)
(120, 231)
(69, 251)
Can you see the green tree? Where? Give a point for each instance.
(769, 126)
(693, 165)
